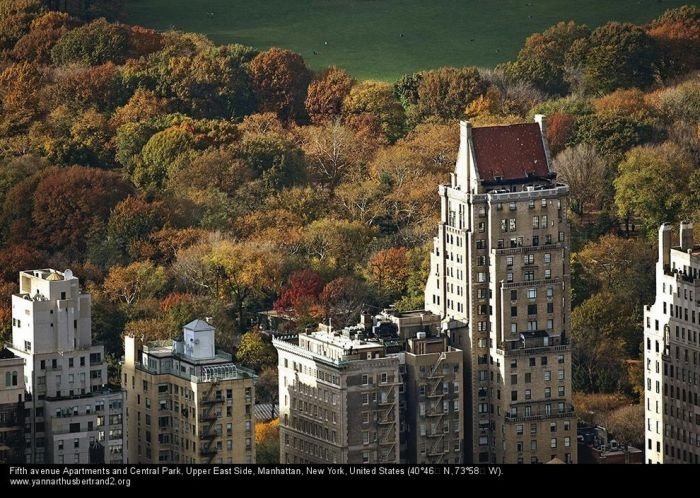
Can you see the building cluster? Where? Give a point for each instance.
(180, 401)
(482, 374)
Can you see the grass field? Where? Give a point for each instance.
(383, 39)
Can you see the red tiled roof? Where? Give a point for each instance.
(509, 152)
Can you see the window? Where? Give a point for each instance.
(514, 379)
(550, 307)
(529, 276)
(528, 394)
(528, 378)
(529, 259)
(535, 222)
(364, 380)
(482, 226)
(532, 325)
(567, 442)
(547, 258)
(547, 392)
(513, 295)
(513, 311)
(509, 276)
(509, 261)
(547, 375)
(519, 429)
(543, 220)
(514, 395)
(532, 293)
(547, 273)
(531, 309)
(511, 224)
(561, 375)
(544, 203)
(550, 291)
(543, 360)
(553, 443)
(550, 324)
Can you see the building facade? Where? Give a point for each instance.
(186, 402)
(11, 408)
(71, 414)
(434, 401)
(672, 351)
(339, 399)
(499, 278)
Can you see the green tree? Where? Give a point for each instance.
(256, 352)
(92, 44)
(597, 337)
(376, 99)
(617, 56)
(652, 184)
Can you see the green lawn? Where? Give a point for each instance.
(383, 39)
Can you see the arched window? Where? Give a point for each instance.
(8, 379)
(14, 378)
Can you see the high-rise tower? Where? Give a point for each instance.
(499, 279)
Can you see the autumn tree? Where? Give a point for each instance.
(142, 106)
(300, 296)
(333, 153)
(67, 204)
(44, 32)
(342, 300)
(376, 99)
(243, 273)
(559, 131)
(542, 61)
(15, 18)
(388, 270)
(612, 134)
(149, 329)
(280, 79)
(337, 244)
(627, 425)
(584, 171)
(652, 183)
(82, 88)
(267, 442)
(17, 257)
(677, 33)
(418, 264)
(256, 352)
(92, 44)
(15, 169)
(130, 223)
(19, 101)
(446, 92)
(139, 280)
(326, 93)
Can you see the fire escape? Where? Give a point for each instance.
(207, 424)
(387, 418)
(435, 413)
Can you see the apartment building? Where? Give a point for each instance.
(672, 351)
(187, 402)
(72, 415)
(499, 277)
(339, 398)
(11, 408)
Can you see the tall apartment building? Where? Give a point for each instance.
(11, 408)
(339, 399)
(71, 415)
(499, 277)
(672, 351)
(187, 402)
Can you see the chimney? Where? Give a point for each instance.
(686, 236)
(541, 120)
(665, 245)
(462, 166)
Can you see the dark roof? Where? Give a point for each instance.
(510, 152)
(6, 354)
(266, 411)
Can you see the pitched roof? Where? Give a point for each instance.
(6, 354)
(198, 325)
(510, 152)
